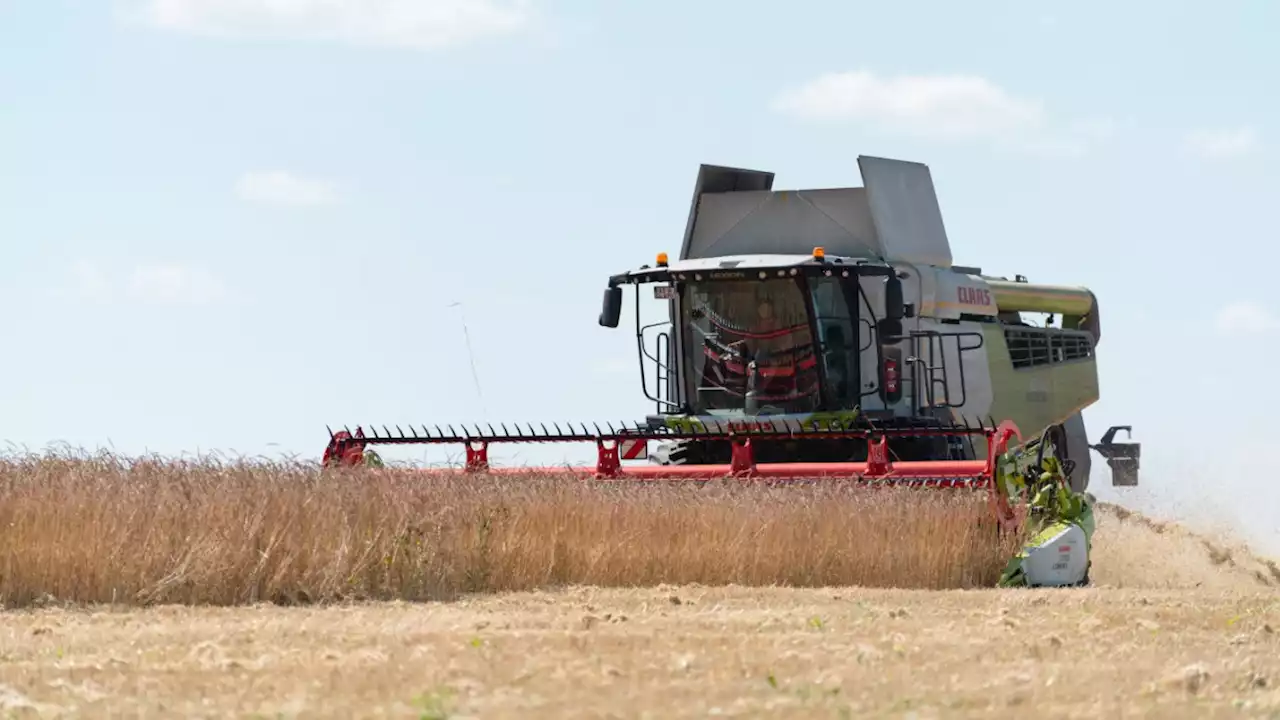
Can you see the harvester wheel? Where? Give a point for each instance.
(1077, 448)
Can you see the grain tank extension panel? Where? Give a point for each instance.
(894, 217)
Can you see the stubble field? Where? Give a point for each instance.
(149, 589)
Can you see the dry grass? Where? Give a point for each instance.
(106, 529)
(1176, 626)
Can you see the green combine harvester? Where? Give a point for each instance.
(826, 333)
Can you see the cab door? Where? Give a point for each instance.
(838, 340)
(889, 370)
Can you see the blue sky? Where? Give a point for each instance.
(227, 223)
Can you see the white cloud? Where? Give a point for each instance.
(277, 187)
(148, 283)
(83, 281)
(412, 24)
(947, 107)
(1222, 144)
(174, 285)
(1246, 317)
(89, 282)
(930, 105)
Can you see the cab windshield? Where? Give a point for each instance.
(750, 348)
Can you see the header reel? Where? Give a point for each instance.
(615, 443)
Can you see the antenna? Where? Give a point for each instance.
(471, 358)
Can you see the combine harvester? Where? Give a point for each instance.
(826, 334)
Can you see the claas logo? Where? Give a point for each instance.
(974, 296)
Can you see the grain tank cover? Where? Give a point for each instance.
(894, 217)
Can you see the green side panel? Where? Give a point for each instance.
(1035, 397)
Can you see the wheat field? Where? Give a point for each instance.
(106, 529)
(206, 589)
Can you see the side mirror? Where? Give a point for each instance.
(611, 310)
(893, 304)
(889, 331)
(1123, 458)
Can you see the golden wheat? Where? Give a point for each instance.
(106, 529)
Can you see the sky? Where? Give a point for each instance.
(227, 224)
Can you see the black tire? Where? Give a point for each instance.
(1077, 441)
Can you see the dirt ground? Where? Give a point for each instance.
(1173, 627)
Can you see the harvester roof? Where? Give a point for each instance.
(749, 267)
(894, 217)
